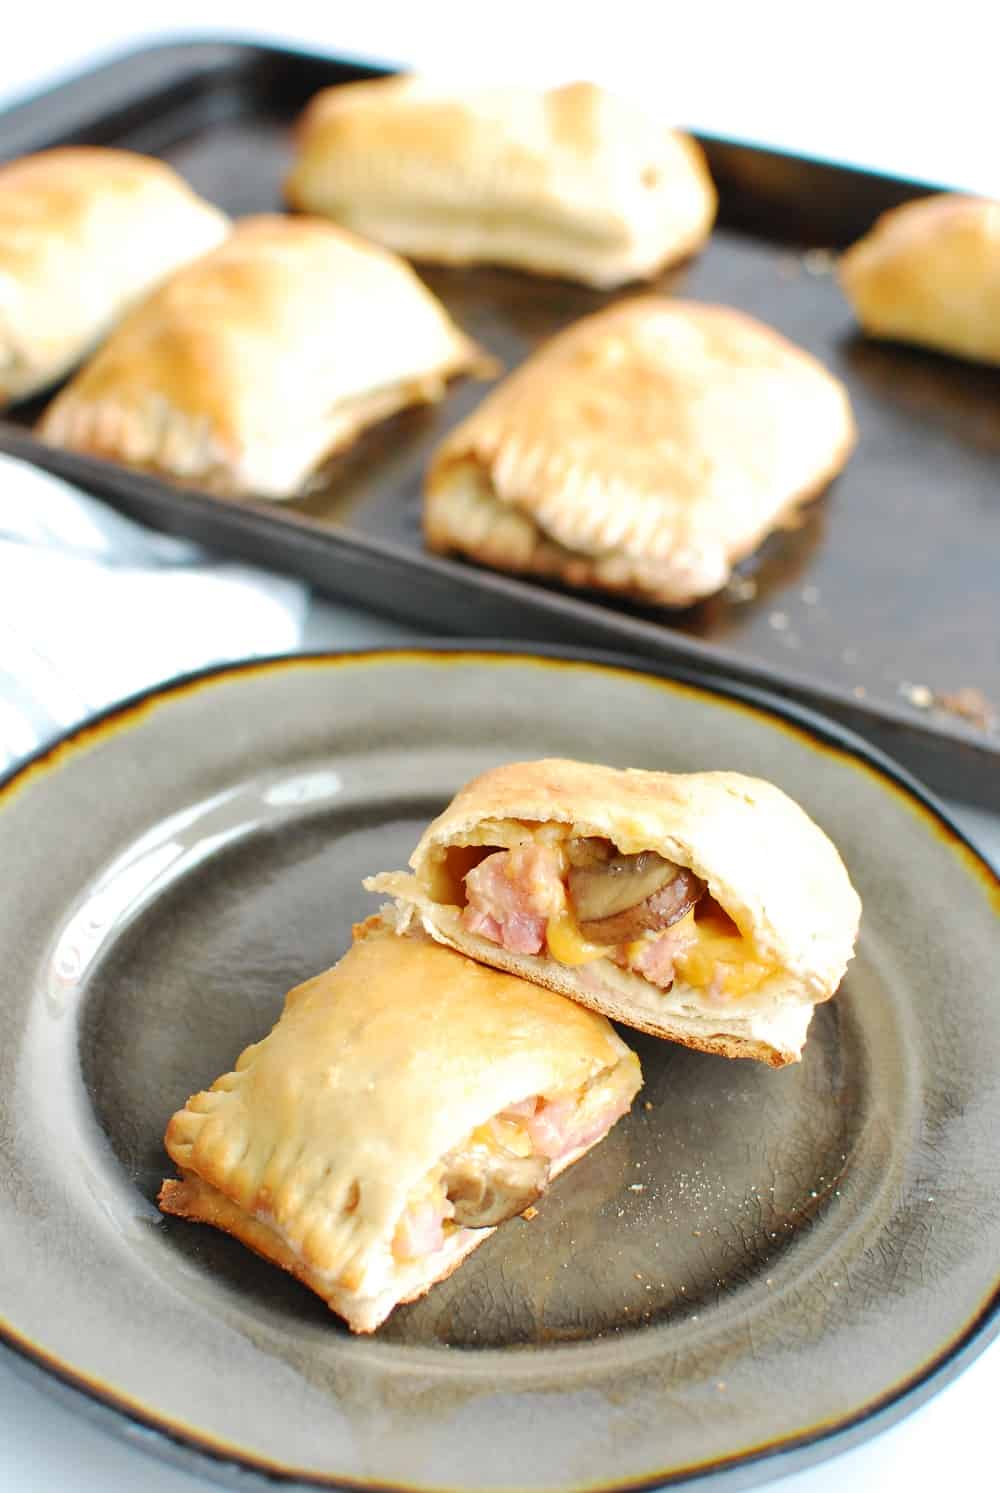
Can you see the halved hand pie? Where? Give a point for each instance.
(85, 231)
(407, 1102)
(570, 181)
(707, 908)
(251, 366)
(644, 450)
(929, 272)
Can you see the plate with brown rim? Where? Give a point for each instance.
(754, 1270)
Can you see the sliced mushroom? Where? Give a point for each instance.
(588, 850)
(629, 894)
(487, 1186)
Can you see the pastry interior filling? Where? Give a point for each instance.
(504, 1165)
(578, 899)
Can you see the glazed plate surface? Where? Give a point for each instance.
(754, 1266)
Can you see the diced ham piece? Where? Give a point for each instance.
(482, 923)
(547, 1128)
(656, 962)
(520, 1111)
(419, 1231)
(656, 959)
(512, 894)
(559, 1125)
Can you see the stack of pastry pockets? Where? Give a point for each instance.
(407, 1101)
(706, 908)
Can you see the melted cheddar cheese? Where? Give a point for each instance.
(566, 942)
(711, 951)
(718, 954)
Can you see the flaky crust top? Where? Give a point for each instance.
(764, 860)
(660, 429)
(376, 1068)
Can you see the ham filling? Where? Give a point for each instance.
(521, 899)
(504, 1165)
(512, 894)
(656, 957)
(420, 1230)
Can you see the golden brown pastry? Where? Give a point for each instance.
(706, 908)
(929, 272)
(570, 181)
(247, 369)
(84, 233)
(644, 450)
(407, 1102)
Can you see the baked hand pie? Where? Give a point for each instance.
(407, 1102)
(644, 450)
(706, 908)
(929, 272)
(573, 181)
(250, 367)
(84, 233)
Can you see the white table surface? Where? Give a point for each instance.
(884, 85)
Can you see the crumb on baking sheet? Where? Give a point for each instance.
(918, 695)
(741, 588)
(970, 704)
(529, 1213)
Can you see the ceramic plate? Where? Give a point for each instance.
(754, 1264)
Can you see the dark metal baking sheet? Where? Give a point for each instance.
(888, 591)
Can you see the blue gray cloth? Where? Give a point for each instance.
(94, 607)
